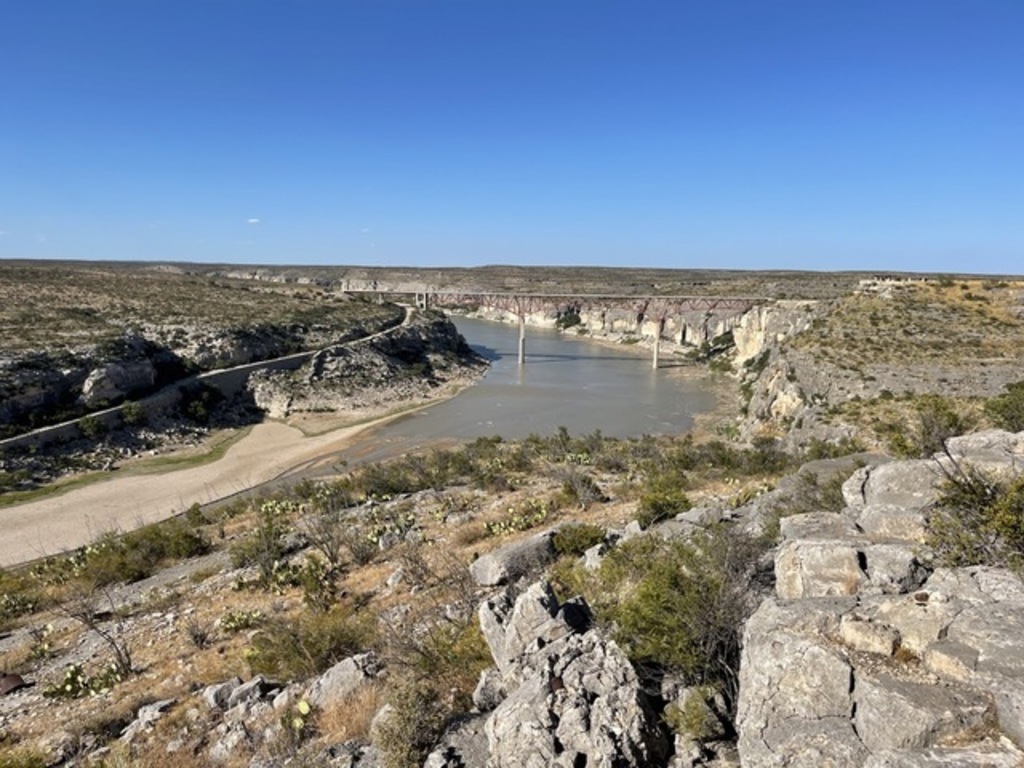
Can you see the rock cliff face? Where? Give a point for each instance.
(46, 387)
(405, 366)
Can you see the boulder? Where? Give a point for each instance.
(794, 695)
(343, 679)
(894, 568)
(145, 718)
(813, 568)
(867, 636)
(217, 695)
(115, 381)
(985, 755)
(572, 698)
(885, 522)
(907, 484)
(513, 561)
(514, 629)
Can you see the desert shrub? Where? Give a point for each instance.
(937, 421)
(412, 727)
(116, 558)
(934, 420)
(679, 605)
(264, 546)
(1007, 409)
(810, 493)
(694, 719)
(92, 427)
(814, 494)
(576, 538)
(820, 449)
(658, 505)
(436, 671)
(580, 488)
(134, 414)
(199, 633)
(297, 649)
(979, 520)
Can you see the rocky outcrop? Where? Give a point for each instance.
(868, 655)
(571, 697)
(513, 561)
(39, 388)
(406, 365)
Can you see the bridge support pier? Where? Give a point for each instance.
(522, 339)
(654, 357)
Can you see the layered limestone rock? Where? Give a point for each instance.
(868, 655)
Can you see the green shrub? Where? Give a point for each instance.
(92, 427)
(1007, 409)
(295, 650)
(576, 538)
(134, 414)
(126, 558)
(979, 520)
(568, 319)
(656, 506)
(264, 546)
(679, 605)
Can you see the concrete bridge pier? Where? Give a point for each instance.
(423, 301)
(659, 328)
(522, 339)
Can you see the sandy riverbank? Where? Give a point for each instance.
(58, 523)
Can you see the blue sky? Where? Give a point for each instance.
(754, 134)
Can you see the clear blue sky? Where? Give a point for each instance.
(820, 134)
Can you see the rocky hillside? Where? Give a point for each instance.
(866, 365)
(559, 601)
(76, 338)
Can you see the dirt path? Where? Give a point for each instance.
(75, 518)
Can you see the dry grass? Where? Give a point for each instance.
(51, 306)
(351, 718)
(928, 322)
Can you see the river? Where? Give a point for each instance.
(566, 382)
